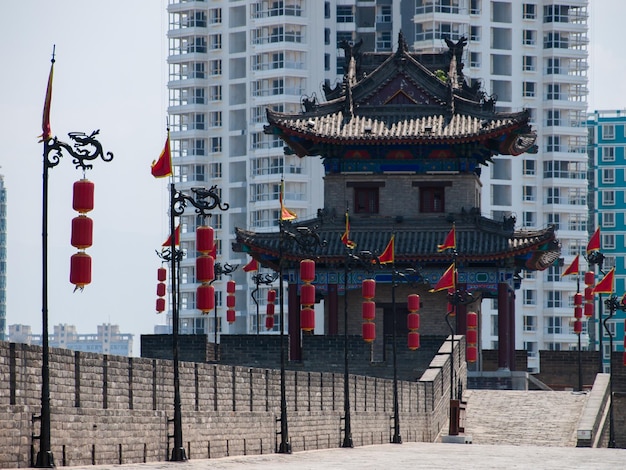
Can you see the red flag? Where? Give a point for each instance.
(163, 166)
(449, 242)
(345, 238)
(605, 286)
(446, 281)
(388, 254)
(572, 268)
(594, 241)
(253, 265)
(46, 133)
(168, 242)
(285, 214)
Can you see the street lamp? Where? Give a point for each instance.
(307, 239)
(265, 279)
(178, 203)
(85, 148)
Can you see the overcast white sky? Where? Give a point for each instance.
(110, 74)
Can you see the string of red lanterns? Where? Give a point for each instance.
(205, 269)
(307, 295)
(231, 315)
(471, 337)
(413, 321)
(161, 289)
(590, 278)
(82, 233)
(368, 309)
(270, 309)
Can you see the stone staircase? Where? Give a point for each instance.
(539, 418)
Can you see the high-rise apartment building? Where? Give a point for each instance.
(3, 259)
(607, 155)
(529, 54)
(229, 61)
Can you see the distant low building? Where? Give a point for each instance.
(108, 339)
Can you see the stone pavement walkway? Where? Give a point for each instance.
(406, 456)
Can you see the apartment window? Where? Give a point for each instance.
(608, 219)
(327, 36)
(608, 241)
(343, 36)
(608, 154)
(366, 200)
(564, 169)
(609, 262)
(553, 274)
(215, 15)
(215, 92)
(198, 121)
(215, 41)
(529, 63)
(198, 70)
(475, 59)
(528, 89)
(432, 199)
(553, 117)
(553, 91)
(345, 14)
(554, 326)
(215, 67)
(608, 131)
(556, 14)
(198, 147)
(608, 197)
(216, 144)
(554, 219)
(474, 7)
(199, 173)
(326, 62)
(612, 330)
(529, 193)
(530, 297)
(553, 66)
(383, 41)
(529, 37)
(553, 196)
(555, 41)
(326, 10)
(530, 323)
(529, 167)
(384, 14)
(529, 11)
(215, 119)
(215, 171)
(608, 175)
(553, 143)
(198, 96)
(529, 219)
(475, 33)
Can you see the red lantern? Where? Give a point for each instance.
(270, 309)
(471, 354)
(589, 308)
(368, 310)
(413, 302)
(578, 298)
(205, 239)
(590, 278)
(269, 322)
(82, 200)
(368, 288)
(80, 269)
(307, 270)
(578, 311)
(230, 301)
(413, 340)
(230, 287)
(471, 337)
(161, 289)
(82, 232)
(369, 332)
(160, 305)
(471, 320)
(413, 321)
(588, 294)
(578, 327)
(271, 296)
(205, 298)
(230, 315)
(307, 294)
(161, 274)
(205, 268)
(307, 319)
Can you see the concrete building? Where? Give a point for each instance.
(607, 154)
(3, 259)
(108, 339)
(531, 55)
(229, 62)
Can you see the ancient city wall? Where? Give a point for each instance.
(112, 409)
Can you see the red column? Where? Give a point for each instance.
(333, 310)
(504, 361)
(511, 296)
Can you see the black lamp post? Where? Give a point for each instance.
(613, 304)
(261, 279)
(85, 148)
(178, 203)
(593, 258)
(307, 239)
(227, 269)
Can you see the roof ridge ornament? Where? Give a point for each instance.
(402, 45)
